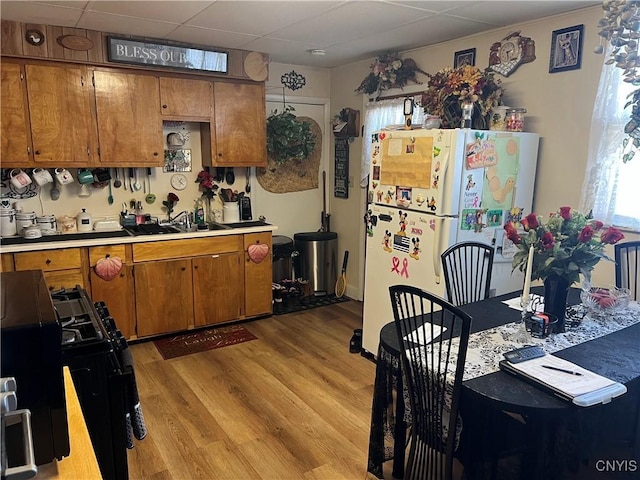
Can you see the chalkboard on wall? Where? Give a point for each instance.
(341, 176)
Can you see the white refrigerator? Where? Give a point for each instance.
(430, 189)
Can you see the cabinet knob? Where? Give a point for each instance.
(195, 267)
(48, 261)
(183, 268)
(122, 275)
(155, 154)
(220, 155)
(164, 106)
(37, 152)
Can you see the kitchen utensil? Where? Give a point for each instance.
(19, 178)
(110, 197)
(230, 176)
(175, 139)
(117, 183)
(136, 186)
(55, 192)
(341, 283)
(247, 187)
(219, 176)
(42, 176)
(131, 179)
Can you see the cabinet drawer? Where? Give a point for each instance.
(49, 260)
(97, 253)
(64, 279)
(144, 252)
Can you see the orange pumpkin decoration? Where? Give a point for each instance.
(108, 267)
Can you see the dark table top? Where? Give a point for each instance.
(615, 356)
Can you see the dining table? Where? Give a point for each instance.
(556, 435)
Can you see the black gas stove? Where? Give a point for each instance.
(101, 366)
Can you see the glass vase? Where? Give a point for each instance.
(556, 290)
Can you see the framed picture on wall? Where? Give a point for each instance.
(464, 57)
(566, 49)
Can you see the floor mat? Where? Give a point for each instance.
(202, 340)
(298, 305)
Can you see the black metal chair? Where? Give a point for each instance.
(627, 256)
(467, 272)
(433, 376)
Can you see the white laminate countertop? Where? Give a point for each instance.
(36, 245)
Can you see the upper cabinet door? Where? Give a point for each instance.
(129, 121)
(240, 124)
(14, 131)
(62, 126)
(184, 98)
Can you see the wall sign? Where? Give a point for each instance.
(341, 176)
(125, 50)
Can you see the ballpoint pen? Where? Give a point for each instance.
(561, 370)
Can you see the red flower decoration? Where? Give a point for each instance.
(565, 213)
(532, 220)
(586, 234)
(611, 235)
(548, 241)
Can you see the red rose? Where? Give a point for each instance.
(611, 235)
(597, 225)
(512, 233)
(548, 241)
(172, 197)
(586, 234)
(525, 224)
(532, 221)
(565, 212)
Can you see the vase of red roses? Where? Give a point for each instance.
(208, 189)
(567, 245)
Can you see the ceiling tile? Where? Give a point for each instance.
(175, 12)
(27, 12)
(206, 36)
(258, 18)
(109, 23)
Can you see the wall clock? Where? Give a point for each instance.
(512, 51)
(179, 181)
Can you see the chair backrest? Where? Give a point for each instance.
(627, 257)
(467, 272)
(433, 335)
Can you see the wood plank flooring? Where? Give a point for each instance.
(294, 404)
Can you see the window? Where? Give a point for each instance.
(610, 184)
(378, 115)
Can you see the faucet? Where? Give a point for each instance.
(187, 218)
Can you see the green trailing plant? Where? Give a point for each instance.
(288, 137)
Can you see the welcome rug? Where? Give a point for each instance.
(202, 340)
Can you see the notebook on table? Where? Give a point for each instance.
(566, 380)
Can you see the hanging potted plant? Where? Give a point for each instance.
(288, 137)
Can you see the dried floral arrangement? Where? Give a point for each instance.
(389, 71)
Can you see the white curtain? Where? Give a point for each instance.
(604, 164)
(377, 115)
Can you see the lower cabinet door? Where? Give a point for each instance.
(117, 294)
(217, 288)
(164, 297)
(257, 276)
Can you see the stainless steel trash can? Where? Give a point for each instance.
(317, 260)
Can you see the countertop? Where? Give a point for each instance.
(81, 462)
(36, 245)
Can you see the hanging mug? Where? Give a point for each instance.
(42, 176)
(63, 176)
(19, 178)
(85, 176)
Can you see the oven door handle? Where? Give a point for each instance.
(29, 469)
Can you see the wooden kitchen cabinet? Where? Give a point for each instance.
(217, 288)
(257, 277)
(63, 268)
(118, 293)
(240, 120)
(60, 114)
(185, 98)
(129, 120)
(164, 293)
(15, 133)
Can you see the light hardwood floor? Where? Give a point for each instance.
(293, 404)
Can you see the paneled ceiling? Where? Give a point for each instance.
(346, 31)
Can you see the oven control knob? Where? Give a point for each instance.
(8, 402)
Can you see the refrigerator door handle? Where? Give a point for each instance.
(443, 176)
(436, 248)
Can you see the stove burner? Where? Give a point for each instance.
(77, 316)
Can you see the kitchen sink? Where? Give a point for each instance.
(64, 237)
(152, 229)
